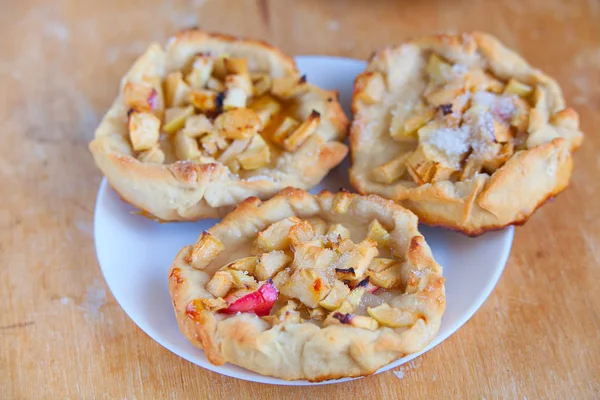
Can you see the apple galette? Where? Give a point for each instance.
(462, 131)
(211, 120)
(309, 287)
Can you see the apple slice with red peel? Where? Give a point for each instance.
(259, 301)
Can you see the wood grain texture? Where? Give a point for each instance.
(62, 335)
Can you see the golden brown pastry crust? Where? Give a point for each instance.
(292, 350)
(538, 170)
(187, 190)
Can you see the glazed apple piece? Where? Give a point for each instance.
(201, 70)
(242, 280)
(266, 107)
(197, 126)
(247, 264)
(177, 91)
(301, 233)
(175, 118)
(307, 128)
(307, 285)
(206, 249)
(352, 265)
(519, 88)
(261, 85)
(312, 255)
(341, 202)
(204, 100)
(143, 130)
(271, 263)
(391, 170)
(388, 278)
(220, 284)
(358, 321)
(351, 301)
(339, 230)
(319, 226)
(378, 233)
(390, 316)
(275, 237)
(240, 123)
(153, 155)
(186, 148)
(285, 128)
(335, 297)
(256, 155)
(259, 301)
(139, 96)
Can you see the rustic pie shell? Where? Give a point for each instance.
(462, 131)
(212, 119)
(309, 287)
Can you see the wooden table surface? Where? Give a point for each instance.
(63, 335)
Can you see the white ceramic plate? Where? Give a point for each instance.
(135, 253)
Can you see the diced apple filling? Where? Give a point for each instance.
(306, 285)
(214, 304)
(319, 226)
(341, 202)
(206, 250)
(242, 280)
(489, 116)
(262, 85)
(235, 97)
(140, 97)
(300, 134)
(202, 67)
(266, 107)
(231, 153)
(312, 255)
(352, 300)
(392, 317)
(144, 130)
(391, 170)
(519, 88)
(246, 264)
(296, 257)
(153, 155)
(373, 88)
(288, 87)
(387, 278)
(339, 230)
(186, 148)
(353, 264)
(241, 123)
(300, 233)
(335, 297)
(220, 284)
(204, 100)
(175, 118)
(256, 155)
(270, 263)
(275, 237)
(377, 233)
(197, 126)
(177, 92)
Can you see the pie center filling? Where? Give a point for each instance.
(465, 121)
(216, 110)
(308, 270)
